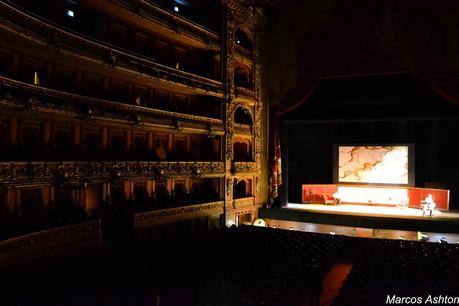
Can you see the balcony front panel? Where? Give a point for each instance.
(32, 246)
(32, 173)
(245, 93)
(245, 168)
(243, 202)
(156, 217)
(27, 98)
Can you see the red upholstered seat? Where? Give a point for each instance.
(328, 198)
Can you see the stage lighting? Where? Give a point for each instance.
(176, 9)
(332, 233)
(70, 13)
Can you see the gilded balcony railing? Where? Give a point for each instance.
(243, 202)
(245, 167)
(245, 92)
(155, 217)
(66, 172)
(31, 98)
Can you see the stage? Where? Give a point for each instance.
(365, 217)
(373, 211)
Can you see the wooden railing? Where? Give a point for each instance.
(152, 218)
(47, 242)
(26, 25)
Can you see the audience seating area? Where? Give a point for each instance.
(236, 266)
(401, 268)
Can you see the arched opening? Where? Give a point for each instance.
(242, 39)
(242, 116)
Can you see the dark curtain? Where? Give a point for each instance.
(381, 37)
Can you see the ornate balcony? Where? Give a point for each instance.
(28, 247)
(24, 173)
(32, 99)
(173, 22)
(245, 168)
(243, 55)
(46, 33)
(243, 202)
(152, 218)
(245, 93)
(242, 129)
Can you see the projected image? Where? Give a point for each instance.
(373, 164)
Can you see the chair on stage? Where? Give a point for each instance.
(329, 199)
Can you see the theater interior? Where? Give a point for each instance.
(229, 152)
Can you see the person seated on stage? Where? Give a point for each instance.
(337, 198)
(429, 205)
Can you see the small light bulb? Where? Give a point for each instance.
(176, 9)
(70, 13)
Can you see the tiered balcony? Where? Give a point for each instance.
(32, 99)
(175, 23)
(12, 174)
(48, 34)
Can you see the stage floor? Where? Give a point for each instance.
(369, 217)
(373, 211)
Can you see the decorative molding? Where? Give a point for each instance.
(245, 11)
(24, 173)
(245, 92)
(242, 129)
(151, 218)
(243, 202)
(245, 167)
(32, 28)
